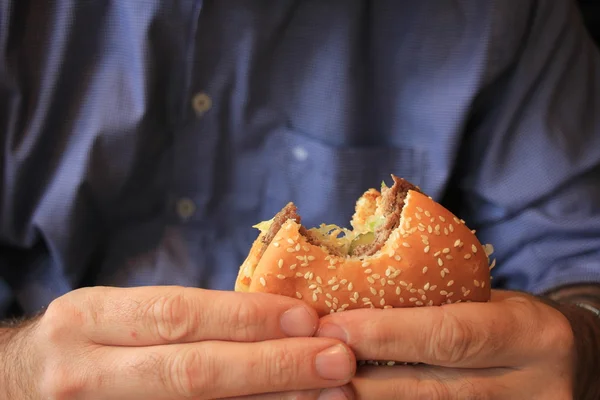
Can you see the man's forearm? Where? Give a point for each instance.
(586, 329)
(13, 356)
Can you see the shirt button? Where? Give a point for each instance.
(300, 153)
(201, 103)
(185, 208)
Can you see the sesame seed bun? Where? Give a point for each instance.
(430, 258)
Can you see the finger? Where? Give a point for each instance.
(338, 393)
(436, 383)
(466, 335)
(160, 315)
(211, 370)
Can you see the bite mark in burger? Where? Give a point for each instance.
(404, 250)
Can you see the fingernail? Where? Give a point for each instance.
(334, 363)
(332, 394)
(298, 321)
(333, 331)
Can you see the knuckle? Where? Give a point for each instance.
(169, 316)
(451, 339)
(190, 373)
(60, 383)
(245, 317)
(56, 325)
(432, 389)
(281, 367)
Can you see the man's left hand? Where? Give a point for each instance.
(514, 347)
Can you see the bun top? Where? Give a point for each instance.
(430, 258)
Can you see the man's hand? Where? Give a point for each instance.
(514, 347)
(173, 343)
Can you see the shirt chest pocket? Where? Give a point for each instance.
(324, 180)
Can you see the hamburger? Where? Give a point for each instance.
(403, 250)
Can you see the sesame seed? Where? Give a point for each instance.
(412, 299)
(437, 253)
(398, 290)
(390, 282)
(299, 274)
(376, 276)
(366, 300)
(350, 286)
(401, 299)
(355, 296)
(466, 293)
(450, 283)
(421, 228)
(310, 258)
(297, 247)
(440, 262)
(451, 228)
(262, 281)
(443, 292)
(353, 300)
(289, 250)
(463, 289)
(293, 267)
(280, 263)
(314, 297)
(328, 303)
(312, 286)
(424, 270)
(305, 248)
(429, 229)
(446, 231)
(368, 271)
(329, 296)
(449, 257)
(373, 290)
(426, 287)
(397, 258)
(493, 264)
(420, 209)
(428, 213)
(290, 241)
(467, 256)
(457, 243)
(482, 284)
(421, 291)
(445, 250)
(476, 283)
(299, 295)
(412, 290)
(344, 306)
(276, 244)
(443, 273)
(426, 249)
(280, 276)
(405, 244)
(335, 287)
(381, 293)
(418, 216)
(403, 283)
(319, 280)
(424, 298)
(382, 302)
(450, 294)
(382, 281)
(366, 264)
(474, 248)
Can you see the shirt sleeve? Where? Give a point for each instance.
(529, 175)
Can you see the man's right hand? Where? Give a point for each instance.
(175, 343)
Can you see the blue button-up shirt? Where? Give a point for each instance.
(141, 139)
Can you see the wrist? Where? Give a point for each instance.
(578, 307)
